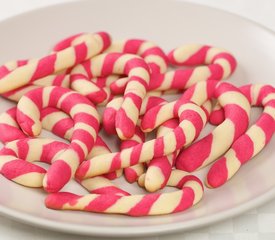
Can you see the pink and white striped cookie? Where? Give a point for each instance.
(86, 125)
(89, 46)
(250, 143)
(17, 156)
(190, 192)
(212, 146)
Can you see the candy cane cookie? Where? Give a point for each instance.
(212, 146)
(86, 125)
(90, 46)
(16, 158)
(116, 63)
(220, 64)
(250, 143)
(192, 120)
(190, 192)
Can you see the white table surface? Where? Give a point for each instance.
(256, 224)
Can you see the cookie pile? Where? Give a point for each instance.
(62, 92)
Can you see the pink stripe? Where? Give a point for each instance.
(65, 43)
(232, 61)
(137, 100)
(44, 67)
(180, 137)
(62, 127)
(244, 142)
(155, 81)
(25, 122)
(51, 149)
(97, 96)
(187, 199)
(17, 168)
(109, 117)
(134, 63)
(135, 154)
(82, 171)
(216, 72)
(155, 51)
(194, 118)
(197, 58)
(192, 157)
(238, 116)
(116, 163)
(10, 133)
(105, 37)
(143, 207)
(130, 175)
(23, 148)
(218, 174)
(58, 200)
(181, 78)
(159, 147)
(108, 64)
(58, 80)
(149, 119)
(112, 190)
(102, 203)
(81, 52)
(267, 124)
(124, 123)
(4, 71)
(132, 46)
(56, 179)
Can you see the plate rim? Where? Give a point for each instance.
(114, 231)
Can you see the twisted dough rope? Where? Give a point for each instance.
(86, 125)
(90, 46)
(117, 63)
(252, 142)
(188, 129)
(220, 65)
(16, 158)
(190, 193)
(212, 146)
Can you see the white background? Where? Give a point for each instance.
(256, 224)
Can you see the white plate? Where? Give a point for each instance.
(169, 23)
